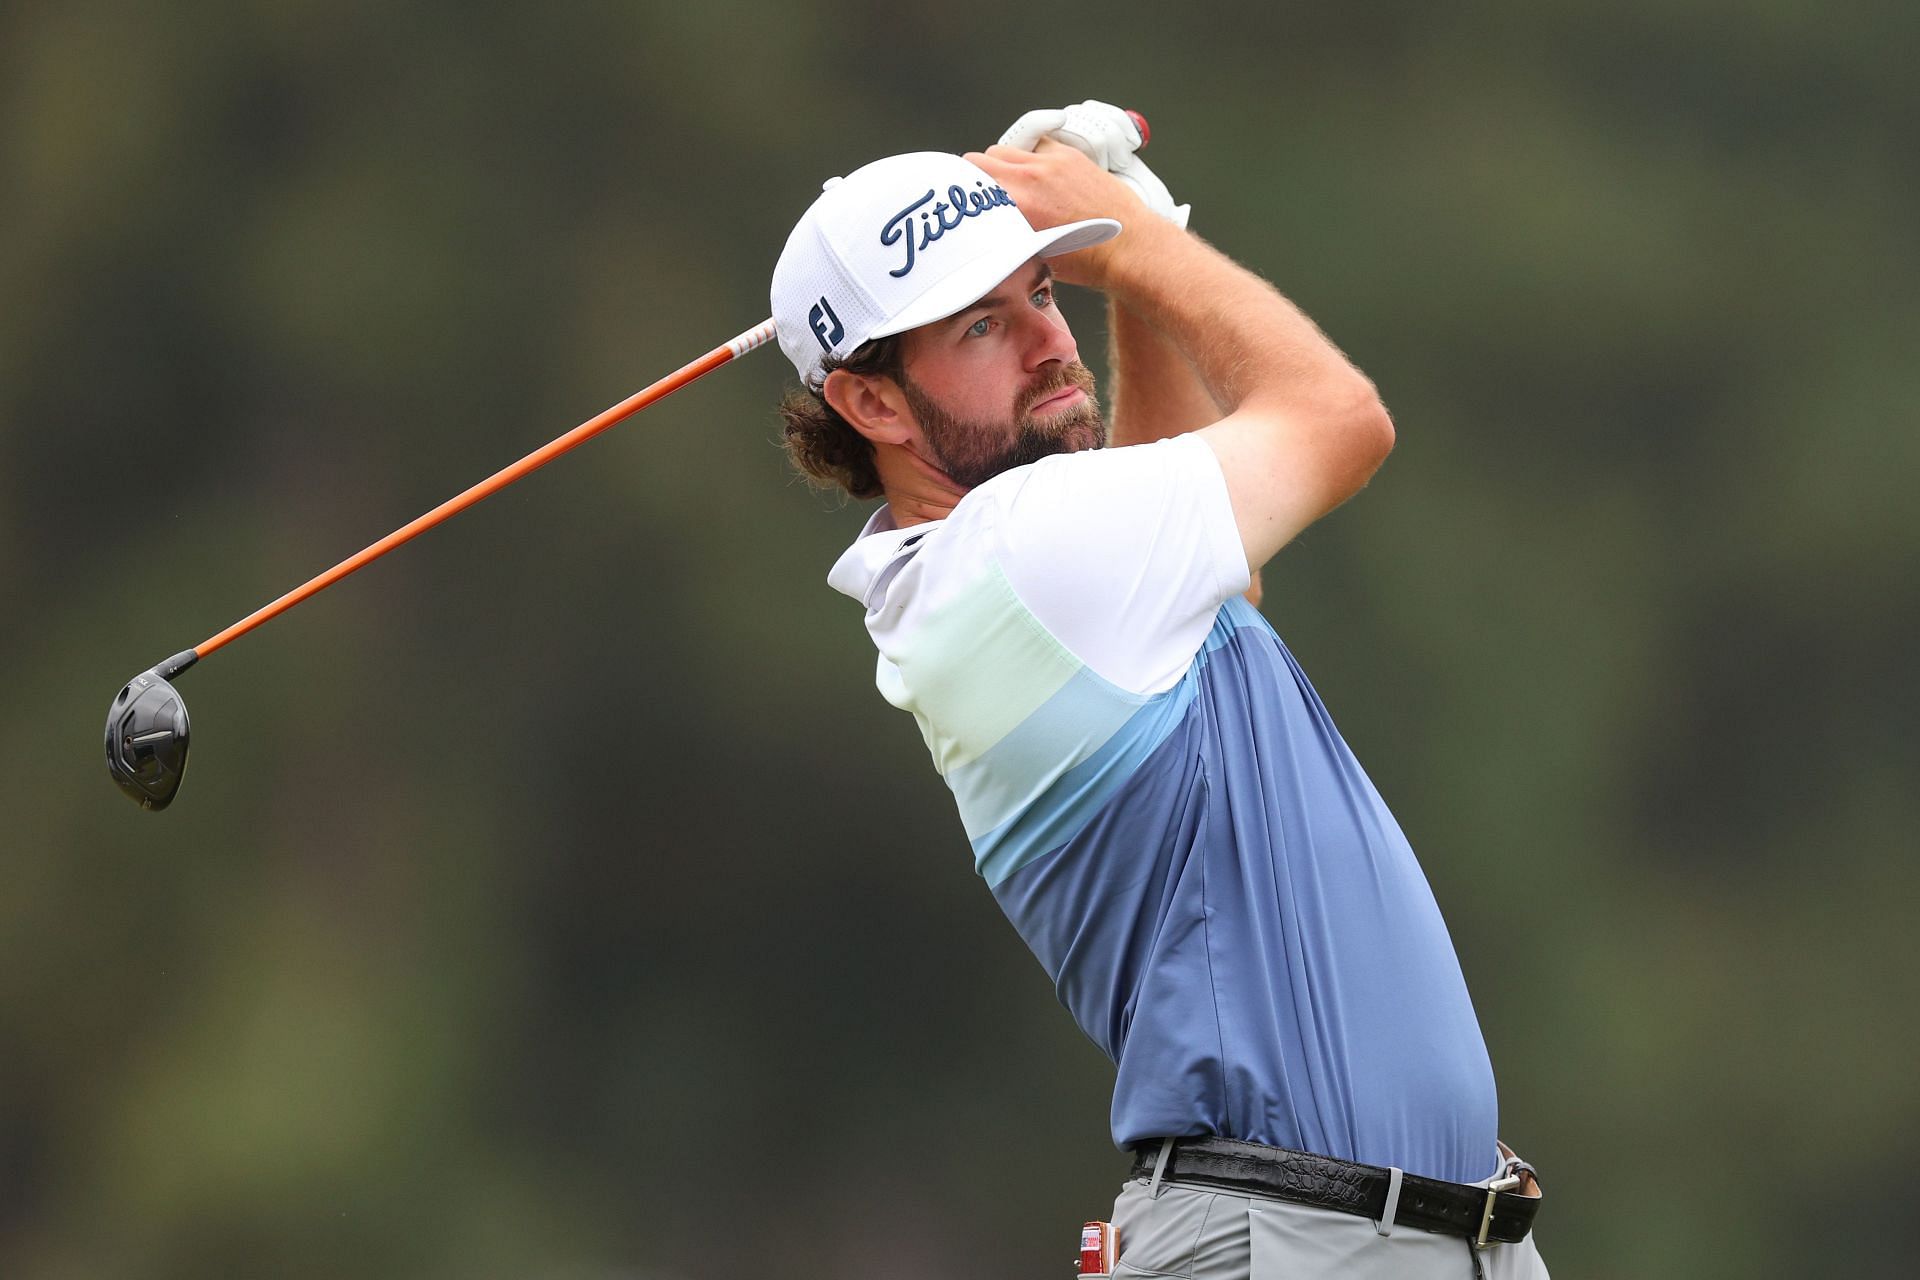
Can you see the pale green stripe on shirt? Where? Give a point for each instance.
(977, 667)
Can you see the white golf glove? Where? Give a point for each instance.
(1108, 137)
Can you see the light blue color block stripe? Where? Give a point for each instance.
(1016, 772)
(1079, 791)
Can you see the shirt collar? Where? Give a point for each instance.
(880, 542)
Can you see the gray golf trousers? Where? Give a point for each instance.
(1197, 1233)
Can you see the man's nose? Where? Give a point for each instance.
(1049, 339)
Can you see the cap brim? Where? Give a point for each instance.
(966, 285)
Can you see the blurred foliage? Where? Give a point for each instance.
(558, 899)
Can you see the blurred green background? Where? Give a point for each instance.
(558, 899)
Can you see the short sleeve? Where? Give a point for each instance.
(1125, 555)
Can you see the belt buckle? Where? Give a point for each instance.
(1494, 1188)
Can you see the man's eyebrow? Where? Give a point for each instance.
(1000, 297)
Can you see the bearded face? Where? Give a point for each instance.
(974, 451)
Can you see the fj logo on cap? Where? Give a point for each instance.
(826, 325)
(959, 205)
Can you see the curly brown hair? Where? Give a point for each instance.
(822, 445)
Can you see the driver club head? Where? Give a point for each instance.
(147, 739)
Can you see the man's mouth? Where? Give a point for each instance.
(1064, 398)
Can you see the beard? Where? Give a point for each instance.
(973, 452)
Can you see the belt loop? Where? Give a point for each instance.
(1159, 1168)
(1385, 1225)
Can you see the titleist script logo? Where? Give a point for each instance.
(943, 217)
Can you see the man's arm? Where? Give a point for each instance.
(1155, 392)
(1303, 429)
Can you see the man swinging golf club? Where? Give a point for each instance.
(1152, 790)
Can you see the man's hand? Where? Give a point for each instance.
(1106, 135)
(1053, 184)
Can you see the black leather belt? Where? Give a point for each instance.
(1481, 1214)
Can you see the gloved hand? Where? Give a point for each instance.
(1106, 135)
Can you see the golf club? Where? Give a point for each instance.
(147, 722)
(147, 729)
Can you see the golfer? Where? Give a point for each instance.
(1152, 790)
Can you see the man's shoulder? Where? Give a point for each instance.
(1057, 528)
(1092, 475)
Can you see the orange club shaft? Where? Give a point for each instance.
(754, 337)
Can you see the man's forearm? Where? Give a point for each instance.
(1241, 342)
(1155, 392)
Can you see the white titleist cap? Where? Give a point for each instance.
(900, 243)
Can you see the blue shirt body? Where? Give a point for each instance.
(1244, 930)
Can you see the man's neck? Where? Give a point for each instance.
(917, 491)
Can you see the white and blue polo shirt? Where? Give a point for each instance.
(1162, 806)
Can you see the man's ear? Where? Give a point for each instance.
(872, 404)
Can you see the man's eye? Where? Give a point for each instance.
(1042, 297)
(978, 329)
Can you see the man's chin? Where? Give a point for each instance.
(1073, 430)
(1035, 440)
